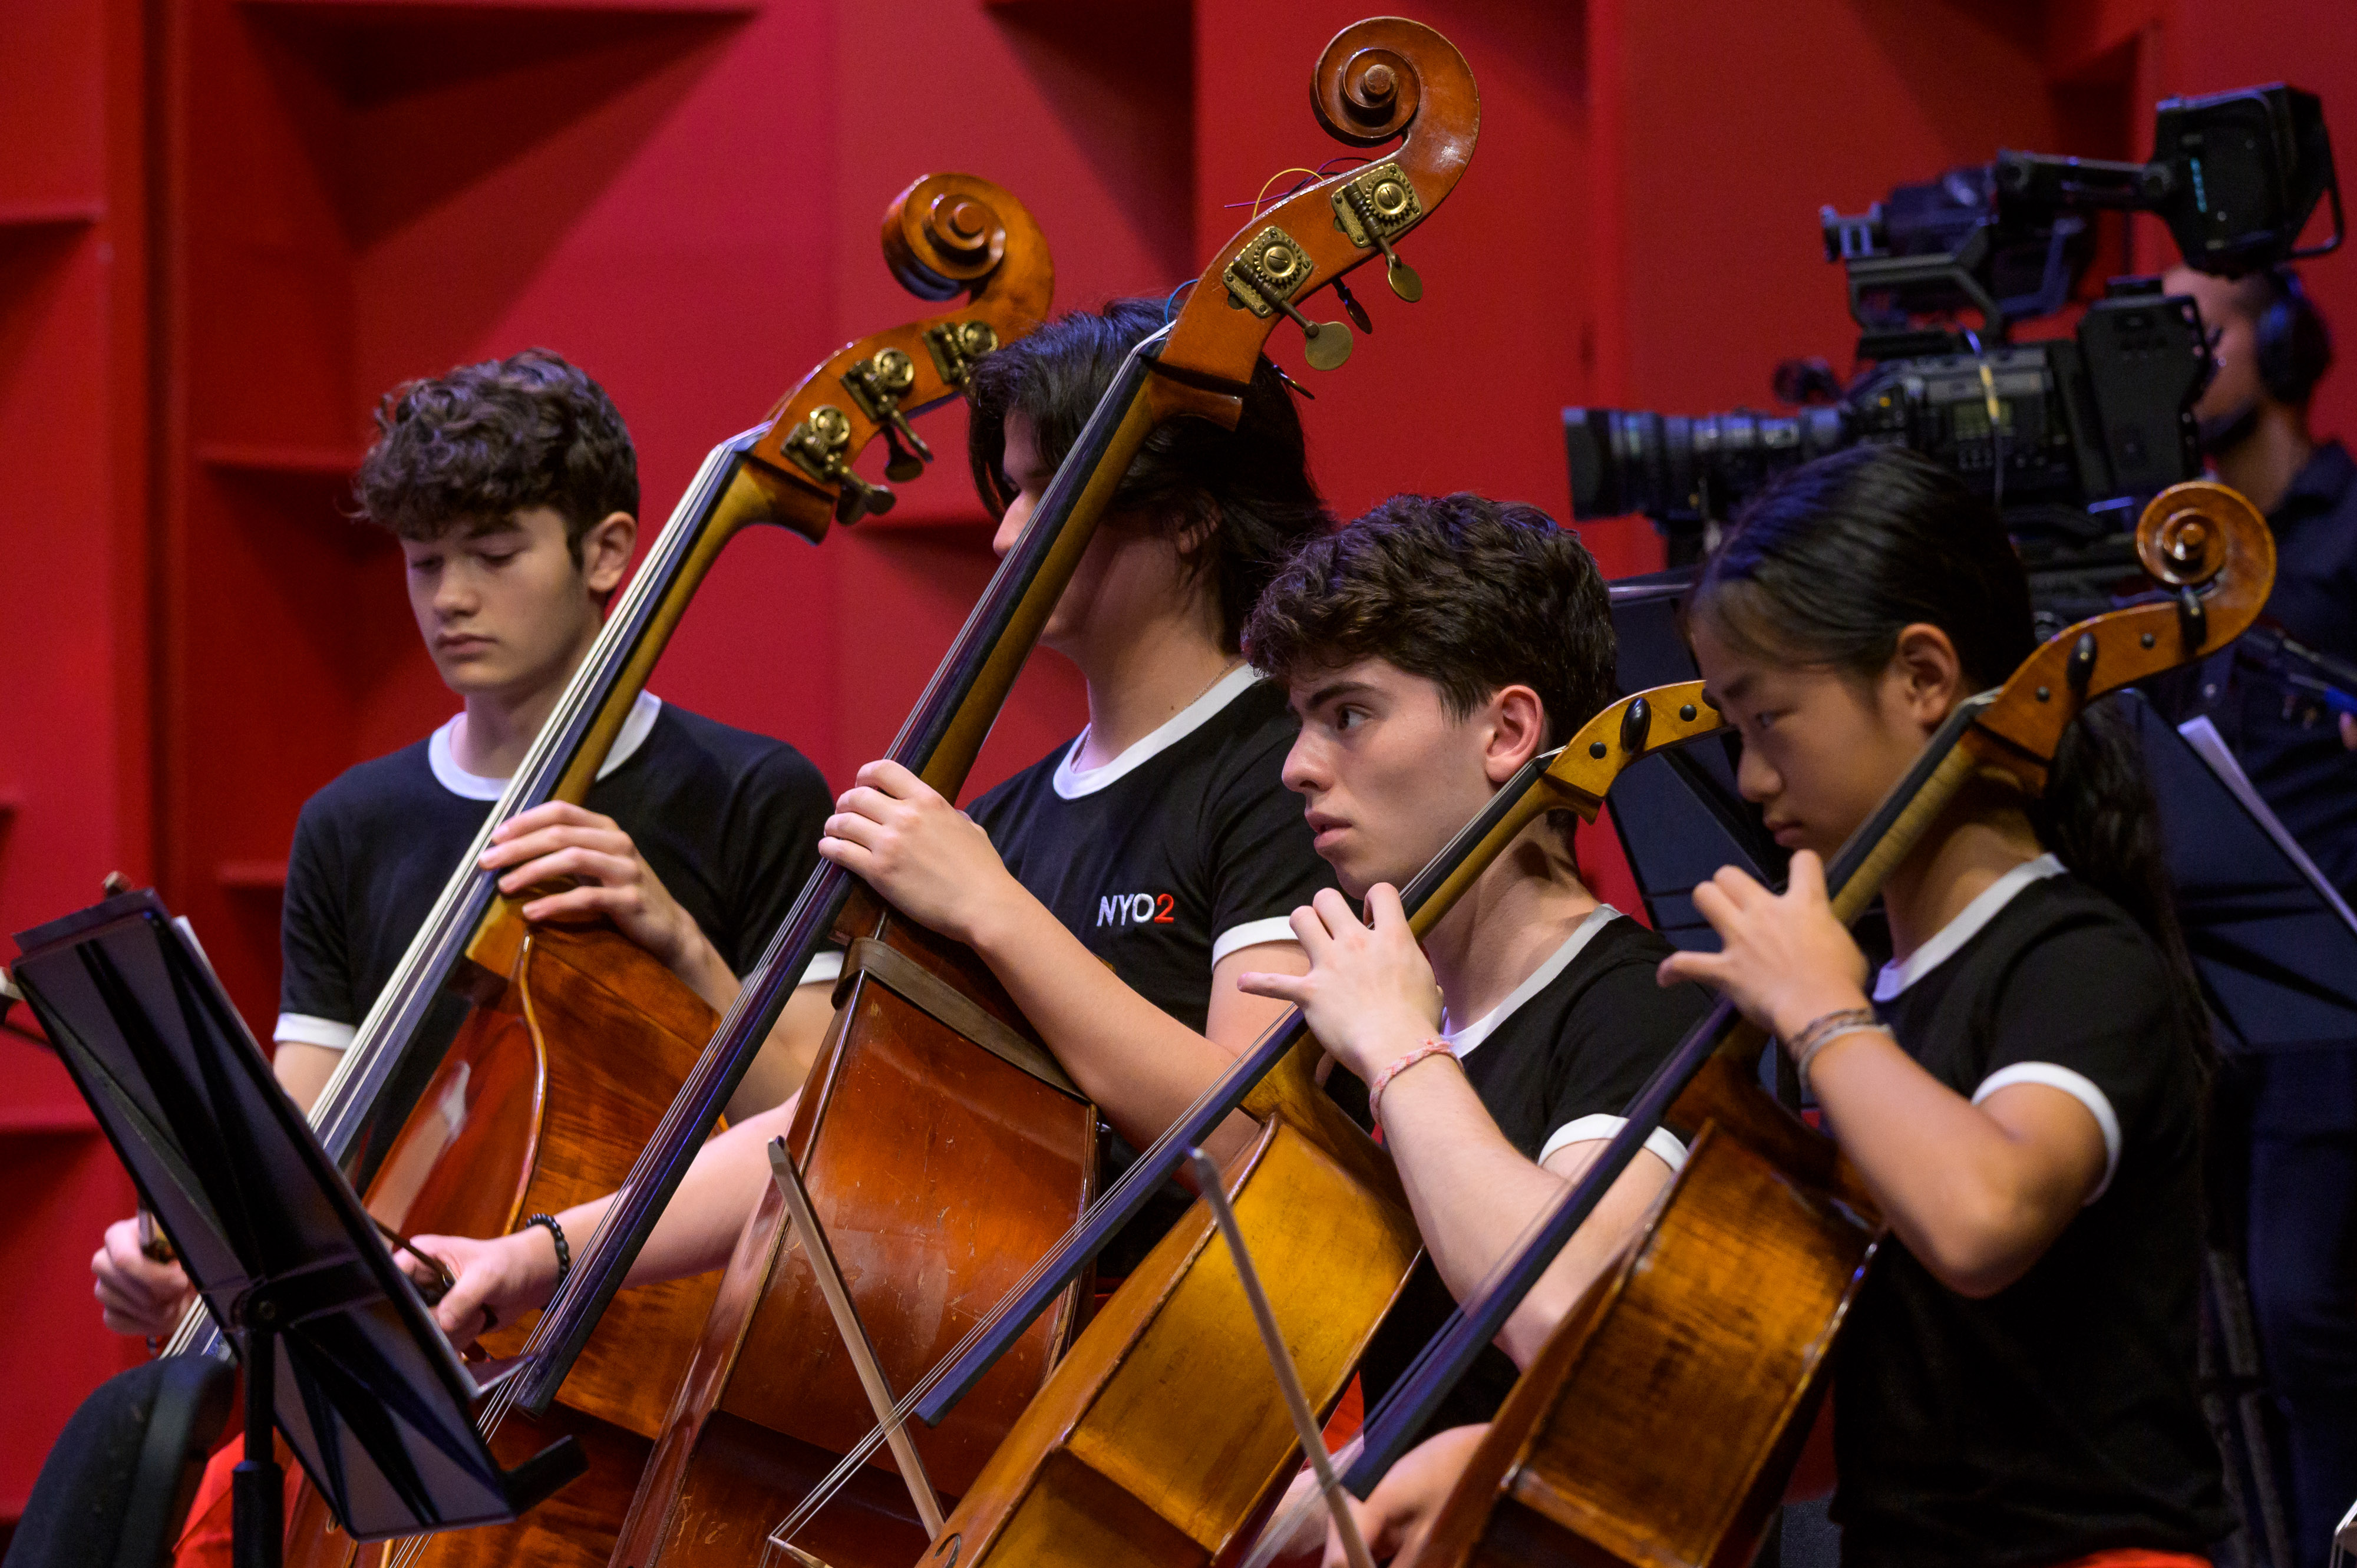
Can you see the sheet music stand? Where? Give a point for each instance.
(2275, 945)
(336, 1344)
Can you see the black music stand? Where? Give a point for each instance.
(2275, 945)
(337, 1346)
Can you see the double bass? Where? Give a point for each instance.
(571, 1038)
(1659, 1425)
(941, 1146)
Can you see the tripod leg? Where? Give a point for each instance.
(2230, 1297)
(258, 1487)
(2218, 1405)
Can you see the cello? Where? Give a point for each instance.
(927, 1055)
(570, 1036)
(1651, 1363)
(1160, 1439)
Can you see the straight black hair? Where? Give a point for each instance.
(1830, 564)
(1242, 499)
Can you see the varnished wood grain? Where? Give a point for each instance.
(1658, 1425)
(1163, 1433)
(941, 1173)
(541, 1102)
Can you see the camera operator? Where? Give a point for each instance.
(2293, 1115)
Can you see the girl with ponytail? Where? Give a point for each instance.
(2020, 1087)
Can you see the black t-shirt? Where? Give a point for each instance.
(2058, 1417)
(1183, 849)
(1556, 1063)
(728, 820)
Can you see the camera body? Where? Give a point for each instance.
(2069, 436)
(2048, 427)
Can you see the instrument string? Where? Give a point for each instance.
(690, 1111)
(1144, 1171)
(348, 1094)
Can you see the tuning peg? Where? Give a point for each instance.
(1329, 341)
(1350, 306)
(857, 499)
(1379, 193)
(906, 464)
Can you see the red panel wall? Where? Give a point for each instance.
(683, 197)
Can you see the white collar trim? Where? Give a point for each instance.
(1462, 1041)
(1897, 976)
(475, 787)
(1071, 783)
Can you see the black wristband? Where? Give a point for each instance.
(555, 1234)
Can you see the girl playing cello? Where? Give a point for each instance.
(2020, 1087)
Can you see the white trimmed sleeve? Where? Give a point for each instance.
(2079, 1086)
(1252, 933)
(823, 969)
(302, 1029)
(1661, 1142)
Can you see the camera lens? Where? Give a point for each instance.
(1673, 469)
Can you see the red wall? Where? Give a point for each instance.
(226, 225)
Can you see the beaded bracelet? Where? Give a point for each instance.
(555, 1234)
(1382, 1079)
(1824, 1031)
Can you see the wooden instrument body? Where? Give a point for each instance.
(940, 1171)
(1162, 1436)
(548, 1093)
(1659, 1425)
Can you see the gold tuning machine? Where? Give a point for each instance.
(1263, 278)
(956, 345)
(878, 385)
(816, 447)
(1371, 207)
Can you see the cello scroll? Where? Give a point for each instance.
(2200, 539)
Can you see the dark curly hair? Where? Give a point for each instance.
(1472, 595)
(486, 441)
(1251, 484)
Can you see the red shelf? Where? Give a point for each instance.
(262, 457)
(49, 214)
(379, 11)
(908, 519)
(252, 876)
(46, 1122)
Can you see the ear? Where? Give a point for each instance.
(1517, 732)
(1925, 678)
(605, 549)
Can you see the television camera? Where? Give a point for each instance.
(2070, 436)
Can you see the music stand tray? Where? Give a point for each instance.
(336, 1343)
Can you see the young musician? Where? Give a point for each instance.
(1431, 649)
(2020, 1087)
(512, 488)
(1118, 885)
